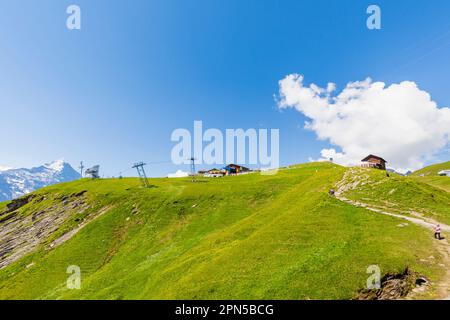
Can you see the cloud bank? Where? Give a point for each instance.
(178, 174)
(400, 123)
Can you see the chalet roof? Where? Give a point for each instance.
(232, 165)
(373, 156)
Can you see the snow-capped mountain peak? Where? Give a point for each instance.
(17, 182)
(57, 165)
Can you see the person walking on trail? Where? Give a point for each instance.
(437, 232)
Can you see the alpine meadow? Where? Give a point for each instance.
(240, 237)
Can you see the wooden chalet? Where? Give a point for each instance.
(372, 161)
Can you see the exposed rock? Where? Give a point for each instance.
(393, 287)
(21, 234)
(19, 203)
(79, 194)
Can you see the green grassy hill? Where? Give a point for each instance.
(243, 237)
(406, 195)
(430, 176)
(432, 170)
(436, 181)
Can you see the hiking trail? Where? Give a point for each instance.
(355, 177)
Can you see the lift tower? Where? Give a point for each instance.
(193, 169)
(141, 172)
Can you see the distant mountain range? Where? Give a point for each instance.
(399, 173)
(17, 182)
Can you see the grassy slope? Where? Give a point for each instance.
(245, 237)
(403, 194)
(429, 175)
(437, 182)
(432, 170)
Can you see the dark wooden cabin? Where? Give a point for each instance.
(372, 161)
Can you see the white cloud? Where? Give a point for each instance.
(399, 123)
(329, 154)
(4, 168)
(178, 174)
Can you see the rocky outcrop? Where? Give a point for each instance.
(394, 286)
(18, 203)
(23, 232)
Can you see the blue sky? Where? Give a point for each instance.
(113, 92)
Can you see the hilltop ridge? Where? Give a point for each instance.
(432, 169)
(242, 237)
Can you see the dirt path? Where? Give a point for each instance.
(442, 246)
